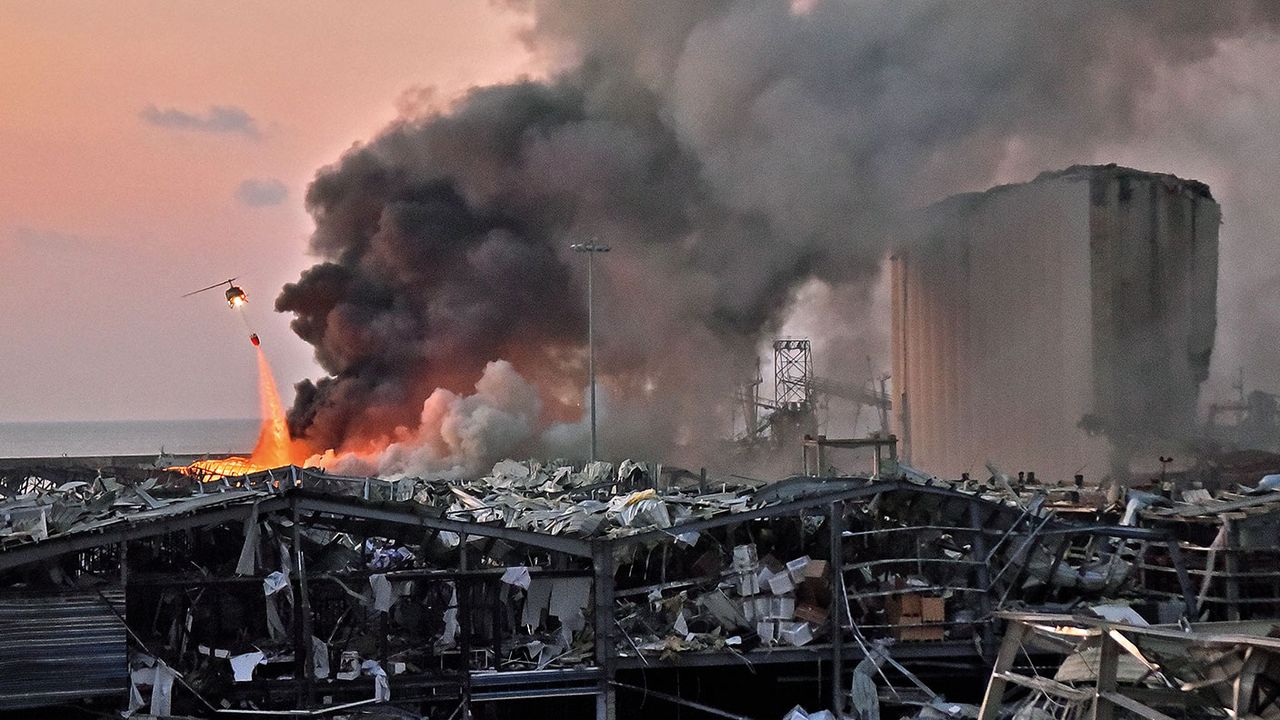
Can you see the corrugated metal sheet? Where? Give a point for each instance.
(60, 648)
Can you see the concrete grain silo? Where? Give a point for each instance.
(1023, 314)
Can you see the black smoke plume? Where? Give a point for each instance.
(728, 151)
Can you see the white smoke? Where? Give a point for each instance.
(459, 435)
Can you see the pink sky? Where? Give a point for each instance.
(107, 216)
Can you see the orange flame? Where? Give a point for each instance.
(273, 448)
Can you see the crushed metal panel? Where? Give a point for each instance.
(59, 648)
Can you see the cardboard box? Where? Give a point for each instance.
(795, 633)
(903, 609)
(780, 584)
(761, 607)
(910, 614)
(933, 609)
(781, 608)
(811, 613)
(814, 591)
(796, 567)
(816, 569)
(762, 577)
(909, 633)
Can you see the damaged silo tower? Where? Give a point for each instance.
(1026, 313)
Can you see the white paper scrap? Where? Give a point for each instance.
(383, 596)
(688, 539)
(319, 658)
(680, 626)
(274, 583)
(518, 576)
(162, 689)
(242, 665)
(381, 687)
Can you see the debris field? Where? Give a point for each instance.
(290, 590)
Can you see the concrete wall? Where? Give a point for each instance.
(1018, 311)
(1154, 260)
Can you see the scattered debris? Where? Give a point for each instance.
(1083, 664)
(294, 588)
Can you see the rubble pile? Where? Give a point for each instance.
(556, 499)
(1108, 664)
(294, 588)
(33, 507)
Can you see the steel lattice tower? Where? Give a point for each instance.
(792, 373)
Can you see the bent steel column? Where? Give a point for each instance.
(835, 521)
(605, 651)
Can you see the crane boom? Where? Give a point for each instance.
(849, 391)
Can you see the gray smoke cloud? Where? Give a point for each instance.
(730, 152)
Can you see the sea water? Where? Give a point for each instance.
(127, 437)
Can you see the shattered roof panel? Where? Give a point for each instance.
(35, 517)
(594, 502)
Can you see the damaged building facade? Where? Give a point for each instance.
(1053, 323)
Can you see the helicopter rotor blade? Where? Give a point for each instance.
(215, 285)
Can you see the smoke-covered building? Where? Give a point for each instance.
(1057, 325)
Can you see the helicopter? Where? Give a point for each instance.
(235, 296)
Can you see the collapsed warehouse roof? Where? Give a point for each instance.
(1120, 665)
(298, 588)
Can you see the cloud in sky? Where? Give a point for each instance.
(263, 192)
(221, 119)
(47, 240)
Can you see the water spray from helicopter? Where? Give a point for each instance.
(273, 446)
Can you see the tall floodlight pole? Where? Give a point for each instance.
(591, 249)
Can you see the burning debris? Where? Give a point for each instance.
(274, 447)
